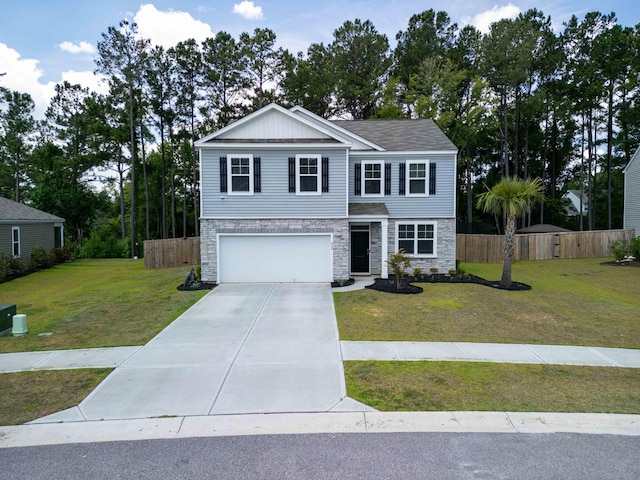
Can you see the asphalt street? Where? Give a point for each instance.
(441, 456)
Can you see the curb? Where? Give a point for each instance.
(315, 423)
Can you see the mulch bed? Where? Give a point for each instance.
(342, 283)
(624, 263)
(389, 285)
(197, 286)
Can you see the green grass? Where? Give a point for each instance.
(95, 303)
(30, 395)
(572, 302)
(461, 386)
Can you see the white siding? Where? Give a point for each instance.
(273, 125)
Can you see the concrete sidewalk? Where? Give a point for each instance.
(492, 352)
(399, 351)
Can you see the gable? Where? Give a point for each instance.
(272, 124)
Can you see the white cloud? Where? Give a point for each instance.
(483, 20)
(22, 75)
(248, 10)
(82, 47)
(87, 79)
(170, 27)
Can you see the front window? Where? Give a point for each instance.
(308, 174)
(372, 178)
(240, 174)
(15, 241)
(417, 178)
(417, 239)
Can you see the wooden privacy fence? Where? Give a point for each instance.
(539, 246)
(173, 252)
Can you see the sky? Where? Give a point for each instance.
(44, 42)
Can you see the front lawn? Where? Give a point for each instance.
(30, 395)
(95, 303)
(572, 302)
(461, 386)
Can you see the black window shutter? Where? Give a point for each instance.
(356, 179)
(325, 174)
(402, 179)
(292, 174)
(223, 174)
(387, 179)
(256, 174)
(432, 178)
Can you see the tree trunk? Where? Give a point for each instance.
(163, 179)
(609, 152)
(509, 247)
(132, 133)
(146, 186)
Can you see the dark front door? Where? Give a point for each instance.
(360, 252)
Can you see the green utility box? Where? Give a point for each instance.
(6, 318)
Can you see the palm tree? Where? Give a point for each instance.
(511, 197)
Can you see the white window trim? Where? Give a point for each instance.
(407, 187)
(318, 175)
(363, 179)
(14, 242)
(230, 175)
(415, 240)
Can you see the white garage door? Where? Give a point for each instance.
(274, 258)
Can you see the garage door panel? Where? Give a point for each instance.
(274, 258)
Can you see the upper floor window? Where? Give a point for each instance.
(240, 174)
(308, 174)
(417, 177)
(372, 178)
(417, 239)
(15, 241)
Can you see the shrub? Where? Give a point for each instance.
(41, 259)
(634, 247)
(417, 272)
(620, 249)
(17, 267)
(4, 266)
(399, 262)
(434, 270)
(98, 246)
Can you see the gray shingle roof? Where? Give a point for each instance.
(400, 135)
(18, 212)
(377, 209)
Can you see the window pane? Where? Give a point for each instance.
(240, 183)
(417, 170)
(406, 245)
(425, 231)
(308, 166)
(308, 183)
(240, 166)
(372, 186)
(417, 186)
(372, 170)
(405, 231)
(425, 247)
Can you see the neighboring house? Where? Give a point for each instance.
(288, 196)
(579, 202)
(23, 227)
(632, 193)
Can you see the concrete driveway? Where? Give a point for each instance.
(251, 348)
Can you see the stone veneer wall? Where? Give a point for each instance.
(446, 244)
(375, 257)
(338, 227)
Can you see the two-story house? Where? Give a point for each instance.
(288, 196)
